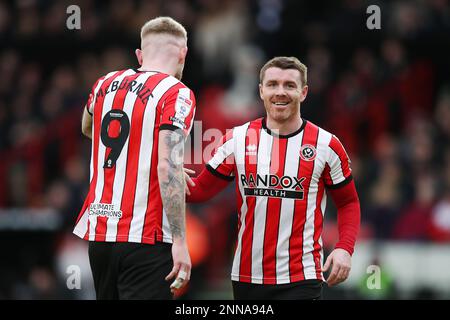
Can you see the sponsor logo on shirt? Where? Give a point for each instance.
(271, 185)
(178, 122)
(105, 210)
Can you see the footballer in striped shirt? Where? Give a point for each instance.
(134, 213)
(284, 167)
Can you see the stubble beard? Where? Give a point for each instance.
(283, 116)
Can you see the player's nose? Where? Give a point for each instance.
(280, 91)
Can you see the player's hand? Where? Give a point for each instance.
(189, 181)
(181, 265)
(341, 263)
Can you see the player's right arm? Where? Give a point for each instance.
(204, 187)
(88, 113)
(218, 173)
(86, 124)
(86, 121)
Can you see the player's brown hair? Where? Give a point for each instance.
(285, 63)
(163, 25)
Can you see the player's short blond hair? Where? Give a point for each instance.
(163, 25)
(285, 63)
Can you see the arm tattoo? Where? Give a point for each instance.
(172, 183)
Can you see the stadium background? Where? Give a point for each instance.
(385, 93)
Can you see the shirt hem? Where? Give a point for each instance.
(283, 280)
(134, 239)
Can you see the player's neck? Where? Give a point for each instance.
(160, 66)
(286, 127)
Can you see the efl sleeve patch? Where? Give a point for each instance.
(179, 109)
(183, 106)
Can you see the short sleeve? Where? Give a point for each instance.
(178, 111)
(222, 163)
(91, 99)
(90, 104)
(337, 168)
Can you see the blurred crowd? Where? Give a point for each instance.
(385, 93)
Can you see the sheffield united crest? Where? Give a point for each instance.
(308, 152)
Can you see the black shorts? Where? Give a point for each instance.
(302, 290)
(123, 270)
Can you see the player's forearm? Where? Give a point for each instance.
(171, 181)
(348, 226)
(348, 216)
(206, 187)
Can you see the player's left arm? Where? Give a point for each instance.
(348, 216)
(177, 115)
(341, 187)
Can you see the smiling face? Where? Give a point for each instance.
(282, 92)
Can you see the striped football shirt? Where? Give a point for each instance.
(281, 199)
(129, 107)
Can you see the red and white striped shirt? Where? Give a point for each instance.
(129, 107)
(281, 199)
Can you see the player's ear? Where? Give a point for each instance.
(183, 53)
(139, 56)
(261, 91)
(304, 93)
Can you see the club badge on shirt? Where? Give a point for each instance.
(308, 152)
